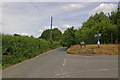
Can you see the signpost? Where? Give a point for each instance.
(98, 35)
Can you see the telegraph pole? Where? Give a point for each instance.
(119, 6)
(51, 30)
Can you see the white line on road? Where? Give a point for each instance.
(77, 72)
(65, 60)
(99, 70)
(88, 56)
(61, 74)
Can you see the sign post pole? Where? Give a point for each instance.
(98, 35)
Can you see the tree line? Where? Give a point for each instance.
(106, 24)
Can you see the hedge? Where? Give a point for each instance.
(19, 48)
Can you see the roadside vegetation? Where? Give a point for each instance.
(105, 49)
(107, 25)
(19, 48)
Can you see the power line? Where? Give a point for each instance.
(58, 22)
(39, 9)
(50, 15)
(69, 19)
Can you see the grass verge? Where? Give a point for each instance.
(105, 49)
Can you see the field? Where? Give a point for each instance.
(105, 49)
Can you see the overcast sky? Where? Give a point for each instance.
(28, 18)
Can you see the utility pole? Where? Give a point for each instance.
(51, 30)
(118, 5)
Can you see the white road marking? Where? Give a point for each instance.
(57, 74)
(103, 69)
(65, 60)
(62, 73)
(99, 70)
(77, 72)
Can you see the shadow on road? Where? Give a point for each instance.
(63, 49)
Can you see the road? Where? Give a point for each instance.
(59, 64)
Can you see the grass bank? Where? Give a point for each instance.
(105, 49)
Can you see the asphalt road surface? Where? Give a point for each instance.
(59, 64)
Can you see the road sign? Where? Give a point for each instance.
(99, 34)
(96, 35)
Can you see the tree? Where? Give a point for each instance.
(98, 23)
(56, 34)
(17, 35)
(113, 17)
(69, 37)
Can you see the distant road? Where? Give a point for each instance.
(59, 64)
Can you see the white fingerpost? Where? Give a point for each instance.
(98, 43)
